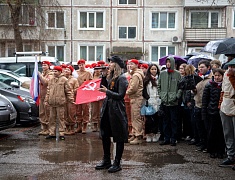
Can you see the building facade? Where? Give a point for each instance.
(142, 29)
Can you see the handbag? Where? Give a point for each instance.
(147, 110)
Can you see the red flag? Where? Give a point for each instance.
(88, 92)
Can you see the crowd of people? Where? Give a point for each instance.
(195, 104)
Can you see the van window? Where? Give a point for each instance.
(23, 68)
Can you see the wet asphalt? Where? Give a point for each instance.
(26, 156)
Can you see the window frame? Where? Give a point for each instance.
(208, 20)
(55, 20)
(95, 19)
(127, 3)
(233, 19)
(22, 16)
(167, 28)
(159, 53)
(55, 50)
(87, 52)
(127, 38)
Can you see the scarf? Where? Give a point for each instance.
(203, 76)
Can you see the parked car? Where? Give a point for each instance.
(8, 77)
(27, 110)
(24, 65)
(8, 113)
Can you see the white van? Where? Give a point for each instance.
(24, 65)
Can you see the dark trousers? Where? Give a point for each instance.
(170, 123)
(106, 148)
(215, 136)
(193, 125)
(151, 124)
(201, 126)
(184, 122)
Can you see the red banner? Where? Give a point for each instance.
(88, 92)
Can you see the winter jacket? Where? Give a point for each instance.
(83, 76)
(199, 90)
(150, 94)
(168, 85)
(135, 88)
(73, 83)
(59, 92)
(210, 99)
(114, 111)
(44, 79)
(228, 102)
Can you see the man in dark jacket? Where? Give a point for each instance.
(169, 94)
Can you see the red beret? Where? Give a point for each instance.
(63, 65)
(97, 66)
(93, 65)
(46, 62)
(101, 62)
(81, 61)
(134, 61)
(144, 66)
(70, 67)
(58, 68)
(88, 66)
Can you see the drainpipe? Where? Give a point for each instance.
(143, 30)
(71, 32)
(111, 27)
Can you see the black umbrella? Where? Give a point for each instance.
(222, 46)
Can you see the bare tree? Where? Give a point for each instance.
(26, 16)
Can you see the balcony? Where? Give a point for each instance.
(206, 34)
(205, 3)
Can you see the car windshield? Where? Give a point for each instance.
(12, 73)
(4, 86)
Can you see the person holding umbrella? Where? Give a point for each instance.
(229, 58)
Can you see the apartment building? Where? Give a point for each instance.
(142, 29)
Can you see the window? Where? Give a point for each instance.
(160, 51)
(55, 20)
(27, 48)
(234, 19)
(91, 20)
(163, 20)
(27, 15)
(5, 17)
(56, 51)
(127, 1)
(127, 32)
(92, 53)
(11, 50)
(204, 19)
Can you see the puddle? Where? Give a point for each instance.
(158, 159)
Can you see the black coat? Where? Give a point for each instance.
(113, 121)
(210, 99)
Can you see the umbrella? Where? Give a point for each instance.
(178, 60)
(191, 54)
(221, 46)
(194, 60)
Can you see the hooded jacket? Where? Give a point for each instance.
(135, 88)
(168, 85)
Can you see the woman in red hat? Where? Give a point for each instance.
(58, 93)
(44, 111)
(82, 109)
(70, 114)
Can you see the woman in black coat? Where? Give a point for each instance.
(113, 114)
(211, 116)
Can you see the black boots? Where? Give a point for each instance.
(115, 167)
(104, 164)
